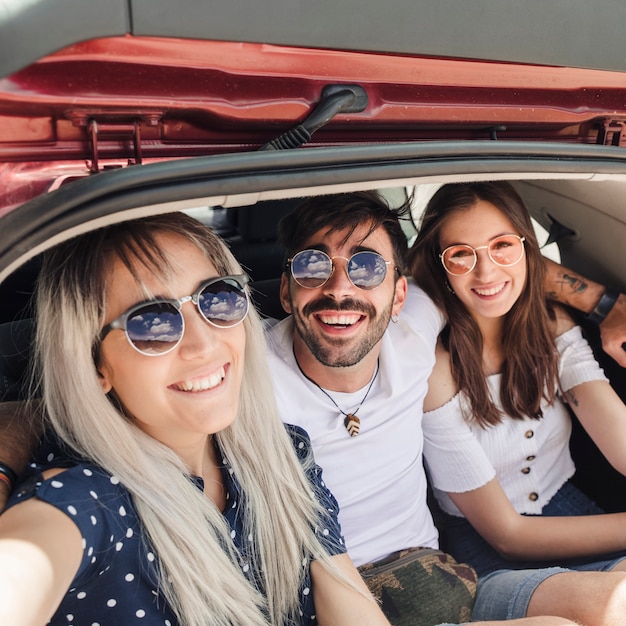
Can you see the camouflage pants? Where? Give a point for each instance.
(422, 587)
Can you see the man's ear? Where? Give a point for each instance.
(399, 296)
(285, 298)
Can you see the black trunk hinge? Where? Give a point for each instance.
(612, 133)
(111, 134)
(122, 132)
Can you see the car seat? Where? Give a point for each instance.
(16, 340)
(254, 243)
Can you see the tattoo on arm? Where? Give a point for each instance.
(571, 397)
(575, 283)
(571, 288)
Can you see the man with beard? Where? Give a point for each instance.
(352, 380)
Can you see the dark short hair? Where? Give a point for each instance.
(339, 212)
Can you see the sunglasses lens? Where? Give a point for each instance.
(367, 270)
(155, 328)
(311, 268)
(223, 303)
(458, 260)
(506, 250)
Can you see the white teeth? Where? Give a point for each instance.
(340, 320)
(203, 384)
(489, 292)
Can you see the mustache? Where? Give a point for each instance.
(328, 304)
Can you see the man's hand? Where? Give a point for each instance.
(569, 287)
(613, 331)
(21, 427)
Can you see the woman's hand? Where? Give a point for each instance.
(534, 537)
(341, 604)
(37, 561)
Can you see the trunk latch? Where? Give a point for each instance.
(612, 133)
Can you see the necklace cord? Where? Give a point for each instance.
(351, 422)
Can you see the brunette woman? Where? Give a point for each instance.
(496, 426)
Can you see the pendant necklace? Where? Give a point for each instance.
(351, 422)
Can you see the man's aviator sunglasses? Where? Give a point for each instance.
(313, 268)
(157, 326)
(504, 251)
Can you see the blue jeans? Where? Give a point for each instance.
(506, 586)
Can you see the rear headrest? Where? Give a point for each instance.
(258, 222)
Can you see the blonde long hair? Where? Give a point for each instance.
(199, 572)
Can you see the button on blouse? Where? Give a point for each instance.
(530, 457)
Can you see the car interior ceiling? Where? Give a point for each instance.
(582, 215)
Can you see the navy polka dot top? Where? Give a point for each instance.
(116, 582)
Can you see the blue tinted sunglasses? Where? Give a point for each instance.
(313, 268)
(157, 326)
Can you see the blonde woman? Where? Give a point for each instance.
(177, 496)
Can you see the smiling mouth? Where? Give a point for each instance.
(340, 320)
(489, 292)
(202, 384)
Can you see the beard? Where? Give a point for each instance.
(337, 351)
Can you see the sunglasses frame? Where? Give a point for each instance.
(471, 269)
(121, 322)
(289, 264)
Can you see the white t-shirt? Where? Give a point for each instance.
(377, 477)
(530, 457)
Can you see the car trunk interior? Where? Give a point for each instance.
(579, 204)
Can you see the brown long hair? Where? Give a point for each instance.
(530, 368)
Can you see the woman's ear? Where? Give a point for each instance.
(104, 381)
